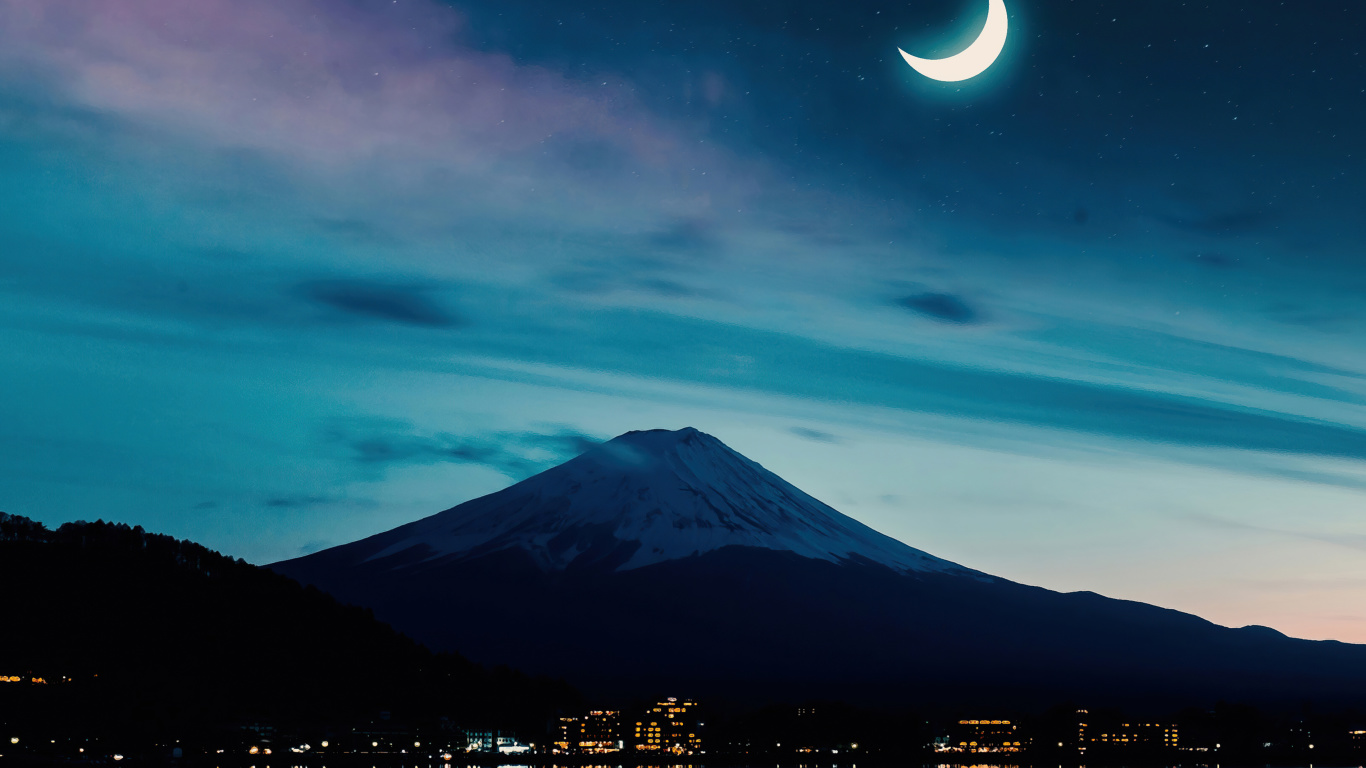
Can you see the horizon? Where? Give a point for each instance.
(275, 278)
(626, 464)
(176, 601)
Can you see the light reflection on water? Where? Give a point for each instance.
(726, 764)
(720, 764)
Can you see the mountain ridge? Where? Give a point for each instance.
(794, 608)
(150, 635)
(648, 496)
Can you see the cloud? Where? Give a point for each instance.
(515, 454)
(297, 502)
(382, 107)
(1356, 541)
(718, 354)
(1168, 354)
(1234, 222)
(353, 229)
(307, 501)
(330, 81)
(566, 443)
(403, 304)
(940, 306)
(1304, 315)
(316, 545)
(815, 435)
(602, 278)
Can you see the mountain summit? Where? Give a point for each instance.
(644, 498)
(667, 561)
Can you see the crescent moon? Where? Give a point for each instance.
(973, 60)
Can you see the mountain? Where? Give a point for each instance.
(643, 499)
(664, 560)
(139, 635)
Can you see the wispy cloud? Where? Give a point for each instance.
(376, 106)
(368, 300)
(377, 445)
(816, 435)
(337, 83)
(1356, 541)
(306, 501)
(940, 306)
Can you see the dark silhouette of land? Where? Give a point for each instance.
(144, 636)
(617, 550)
(127, 642)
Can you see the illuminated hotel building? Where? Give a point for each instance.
(596, 733)
(1113, 735)
(669, 726)
(983, 736)
(1359, 740)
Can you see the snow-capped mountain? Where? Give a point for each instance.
(647, 497)
(666, 562)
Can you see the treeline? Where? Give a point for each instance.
(141, 633)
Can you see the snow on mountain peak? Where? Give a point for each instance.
(647, 497)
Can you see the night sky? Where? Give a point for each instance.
(275, 276)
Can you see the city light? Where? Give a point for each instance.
(603, 731)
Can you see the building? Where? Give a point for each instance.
(972, 736)
(1359, 740)
(596, 733)
(510, 745)
(670, 726)
(1103, 733)
(480, 740)
(491, 741)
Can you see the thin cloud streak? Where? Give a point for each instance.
(1355, 541)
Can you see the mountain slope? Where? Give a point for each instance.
(645, 498)
(665, 560)
(141, 634)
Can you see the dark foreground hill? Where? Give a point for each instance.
(665, 560)
(134, 632)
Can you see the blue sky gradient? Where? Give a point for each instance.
(278, 277)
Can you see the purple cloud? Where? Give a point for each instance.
(333, 83)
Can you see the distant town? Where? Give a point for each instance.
(677, 731)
